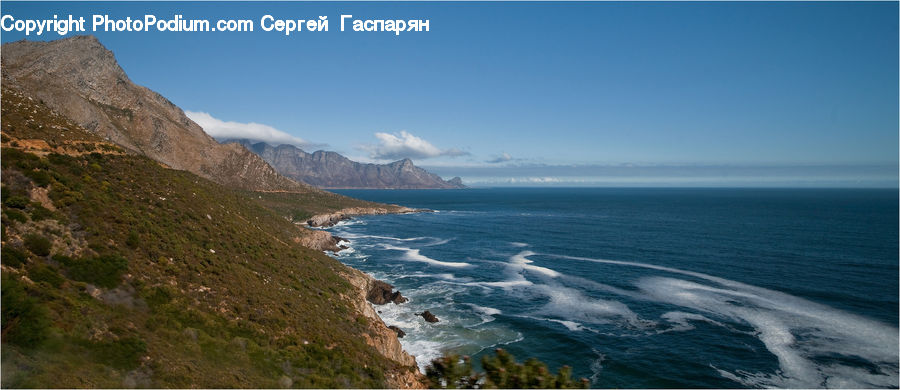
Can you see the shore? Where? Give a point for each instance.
(382, 338)
(330, 219)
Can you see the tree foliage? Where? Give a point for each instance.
(500, 372)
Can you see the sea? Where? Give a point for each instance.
(646, 287)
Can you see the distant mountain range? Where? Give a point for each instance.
(332, 170)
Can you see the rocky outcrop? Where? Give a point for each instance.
(330, 219)
(428, 316)
(320, 240)
(332, 170)
(381, 293)
(79, 78)
(400, 332)
(385, 340)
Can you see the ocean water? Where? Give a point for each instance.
(647, 287)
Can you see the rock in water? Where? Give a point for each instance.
(382, 293)
(400, 332)
(428, 316)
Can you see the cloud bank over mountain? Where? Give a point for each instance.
(220, 129)
(405, 145)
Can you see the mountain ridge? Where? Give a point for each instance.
(331, 170)
(81, 79)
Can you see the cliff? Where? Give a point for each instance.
(332, 170)
(79, 78)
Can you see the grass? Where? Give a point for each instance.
(148, 272)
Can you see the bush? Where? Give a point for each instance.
(38, 244)
(40, 213)
(24, 321)
(501, 371)
(11, 256)
(133, 240)
(123, 353)
(18, 202)
(103, 271)
(44, 273)
(40, 178)
(16, 215)
(159, 295)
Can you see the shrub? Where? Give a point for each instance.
(133, 240)
(11, 256)
(24, 321)
(501, 371)
(40, 178)
(38, 244)
(40, 213)
(44, 273)
(16, 215)
(123, 354)
(18, 202)
(104, 271)
(159, 295)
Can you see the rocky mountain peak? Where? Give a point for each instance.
(332, 170)
(81, 79)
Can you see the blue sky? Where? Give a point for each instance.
(561, 93)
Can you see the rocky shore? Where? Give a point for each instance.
(321, 240)
(381, 337)
(385, 339)
(326, 220)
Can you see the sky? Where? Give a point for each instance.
(508, 93)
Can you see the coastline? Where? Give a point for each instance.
(380, 337)
(330, 219)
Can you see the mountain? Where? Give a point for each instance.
(332, 170)
(79, 78)
(118, 272)
(139, 252)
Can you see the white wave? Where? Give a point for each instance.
(437, 242)
(502, 284)
(415, 255)
(397, 238)
(346, 251)
(597, 366)
(680, 320)
(573, 305)
(521, 261)
(795, 330)
(571, 325)
(346, 222)
(442, 276)
(485, 310)
(519, 244)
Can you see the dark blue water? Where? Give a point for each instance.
(648, 287)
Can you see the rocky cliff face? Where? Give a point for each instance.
(79, 78)
(382, 338)
(332, 170)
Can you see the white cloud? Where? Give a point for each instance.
(499, 159)
(223, 130)
(405, 145)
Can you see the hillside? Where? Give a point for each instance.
(120, 272)
(79, 78)
(332, 170)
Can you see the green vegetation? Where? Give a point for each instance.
(102, 271)
(155, 277)
(500, 372)
(298, 207)
(37, 244)
(25, 322)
